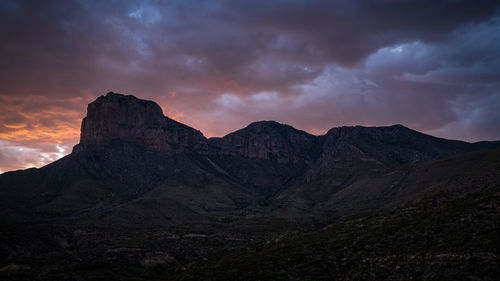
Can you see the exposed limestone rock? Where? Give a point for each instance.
(266, 140)
(127, 118)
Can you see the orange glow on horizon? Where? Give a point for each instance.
(37, 130)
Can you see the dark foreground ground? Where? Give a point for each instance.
(440, 237)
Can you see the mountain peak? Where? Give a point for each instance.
(130, 119)
(127, 101)
(267, 140)
(269, 123)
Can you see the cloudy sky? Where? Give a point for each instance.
(433, 66)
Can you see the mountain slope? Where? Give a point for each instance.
(143, 197)
(427, 240)
(131, 157)
(449, 234)
(105, 180)
(363, 157)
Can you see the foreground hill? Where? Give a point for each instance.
(449, 233)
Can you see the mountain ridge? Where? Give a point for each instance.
(128, 118)
(144, 197)
(129, 151)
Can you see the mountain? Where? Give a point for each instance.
(451, 233)
(268, 140)
(135, 164)
(362, 158)
(129, 119)
(144, 197)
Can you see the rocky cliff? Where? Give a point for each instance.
(127, 118)
(116, 117)
(268, 140)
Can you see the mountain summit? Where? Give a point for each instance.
(127, 118)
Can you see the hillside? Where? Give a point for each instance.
(450, 233)
(144, 197)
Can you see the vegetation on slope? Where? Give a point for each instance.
(425, 240)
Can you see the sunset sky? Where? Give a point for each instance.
(433, 66)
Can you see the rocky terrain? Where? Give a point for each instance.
(129, 119)
(144, 197)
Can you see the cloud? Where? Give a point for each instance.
(448, 89)
(40, 119)
(431, 65)
(14, 157)
(348, 31)
(37, 130)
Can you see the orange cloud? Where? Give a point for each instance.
(14, 126)
(36, 130)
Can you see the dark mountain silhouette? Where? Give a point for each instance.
(129, 119)
(144, 197)
(135, 164)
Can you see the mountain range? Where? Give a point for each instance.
(136, 167)
(131, 157)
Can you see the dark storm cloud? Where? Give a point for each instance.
(347, 31)
(217, 65)
(57, 44)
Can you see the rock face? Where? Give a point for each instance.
(127, 118)
(391, 146)
(267, 140)
(117, 117)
